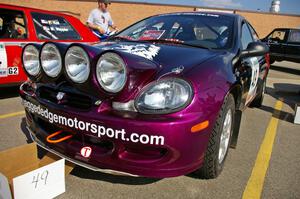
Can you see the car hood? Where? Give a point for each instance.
(166, 56)
(147, 62)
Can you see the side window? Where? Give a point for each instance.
(277, 35)
(1, 23)
(12, 24)
(246, 36)
(254, 33)
(53, 27)
(294, 36)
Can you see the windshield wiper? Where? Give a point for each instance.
(119, 38)
(174, 41)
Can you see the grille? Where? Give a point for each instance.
(103, 146)
(68, 98)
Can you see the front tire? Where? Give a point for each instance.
(219, 141)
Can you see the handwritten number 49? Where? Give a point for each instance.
(40, 177)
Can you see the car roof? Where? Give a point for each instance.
(286, 29)
(9, 6)
(200, 12)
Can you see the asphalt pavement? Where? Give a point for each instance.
(266, 162)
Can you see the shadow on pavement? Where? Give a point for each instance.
(285, 116)
(289, 94)
(9, 92)
(287, 89)
(285, 69)
(195, 175)
(25, 131)
(127, 180)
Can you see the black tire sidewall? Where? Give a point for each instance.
(211, 167)
(229, 104)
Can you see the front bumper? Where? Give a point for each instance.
(41, 144)
(181, 151)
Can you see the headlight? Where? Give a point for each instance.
(31, 60)
(164, 96)
(77, 64)
(51, 60)
(111, 72)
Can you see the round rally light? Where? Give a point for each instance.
(31, 60)
(111, 72)
(51, 60)
(77, 64)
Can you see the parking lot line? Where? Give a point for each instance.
(12, 114)
(256, 181)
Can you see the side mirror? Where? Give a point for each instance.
(255, 49)
(264, 39)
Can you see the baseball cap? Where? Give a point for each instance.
(104, 1)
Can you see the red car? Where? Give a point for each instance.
(22, 25)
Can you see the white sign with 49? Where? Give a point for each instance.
(46, 182)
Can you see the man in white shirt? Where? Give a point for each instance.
(100, 20)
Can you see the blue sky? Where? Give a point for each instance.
(287, 6)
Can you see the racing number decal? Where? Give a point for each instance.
(13, 70)
(3, 61)
(254, 78)
(4, 69)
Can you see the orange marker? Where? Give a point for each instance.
(200, 126)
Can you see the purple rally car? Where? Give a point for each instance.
(162, 98)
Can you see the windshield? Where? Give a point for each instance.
(204, 30)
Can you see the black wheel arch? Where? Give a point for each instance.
(237, 92)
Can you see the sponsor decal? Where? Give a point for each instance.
(142, 50)
(86, 151)
(254, 78)
(93, 128)
(50, 22)
(3, 61)
(152, 34)
(4, 72)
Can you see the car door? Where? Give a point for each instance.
(276, 41)
(293, 46)
(250, 65)
(13, 34)
(264, 66)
